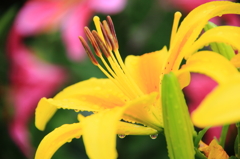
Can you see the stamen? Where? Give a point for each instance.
(177, 17)
(111, 26)
(93, 41)
(94, 61)
(108, 43)
(101, 44)
(104, 42)
(109, 34)
(120, 76)
(98, 52)
(88, 51)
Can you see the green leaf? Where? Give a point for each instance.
(199, 155)
(223, 136)
(6, 18)
(236, 145)
(178, 127)
(221, 48)
(200, 136)
(237, 141)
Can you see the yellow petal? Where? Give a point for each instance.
(44, 113)
(236, 60)
(90, 95)
(93, 84)
(47, 107)
(211, 64)
(146, 69)
(184, 78)
(220, 107)
(69, 103)
(54, 140)
(133, 129)
(100, 129)
(226, 34)
(99, 133)
(192, 26)
(145, 110)
(98, 91)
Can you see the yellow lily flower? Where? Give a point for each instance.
(131, 93)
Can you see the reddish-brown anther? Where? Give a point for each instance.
(106, 37)
(88, 51)
(101, 44)
(112, 29)
(109, 34)
(93, 41)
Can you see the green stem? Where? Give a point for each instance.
(223, 135)
(238, 148)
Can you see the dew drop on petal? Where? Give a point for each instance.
(121, 136)
(154, 136)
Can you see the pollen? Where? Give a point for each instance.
(105, 44)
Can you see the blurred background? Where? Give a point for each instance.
(40, 54)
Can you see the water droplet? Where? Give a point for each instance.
(154, 136)
(121, 136)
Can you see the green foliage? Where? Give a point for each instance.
(199, 137)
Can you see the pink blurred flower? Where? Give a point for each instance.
(30, 80)
(30, 77)
(70, 16)
(186, 6)
(195, 92)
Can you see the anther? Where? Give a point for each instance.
(101, 44)
(109, 34)
(93, 41)
(112, 29)
(88, 51)
(108, 43)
